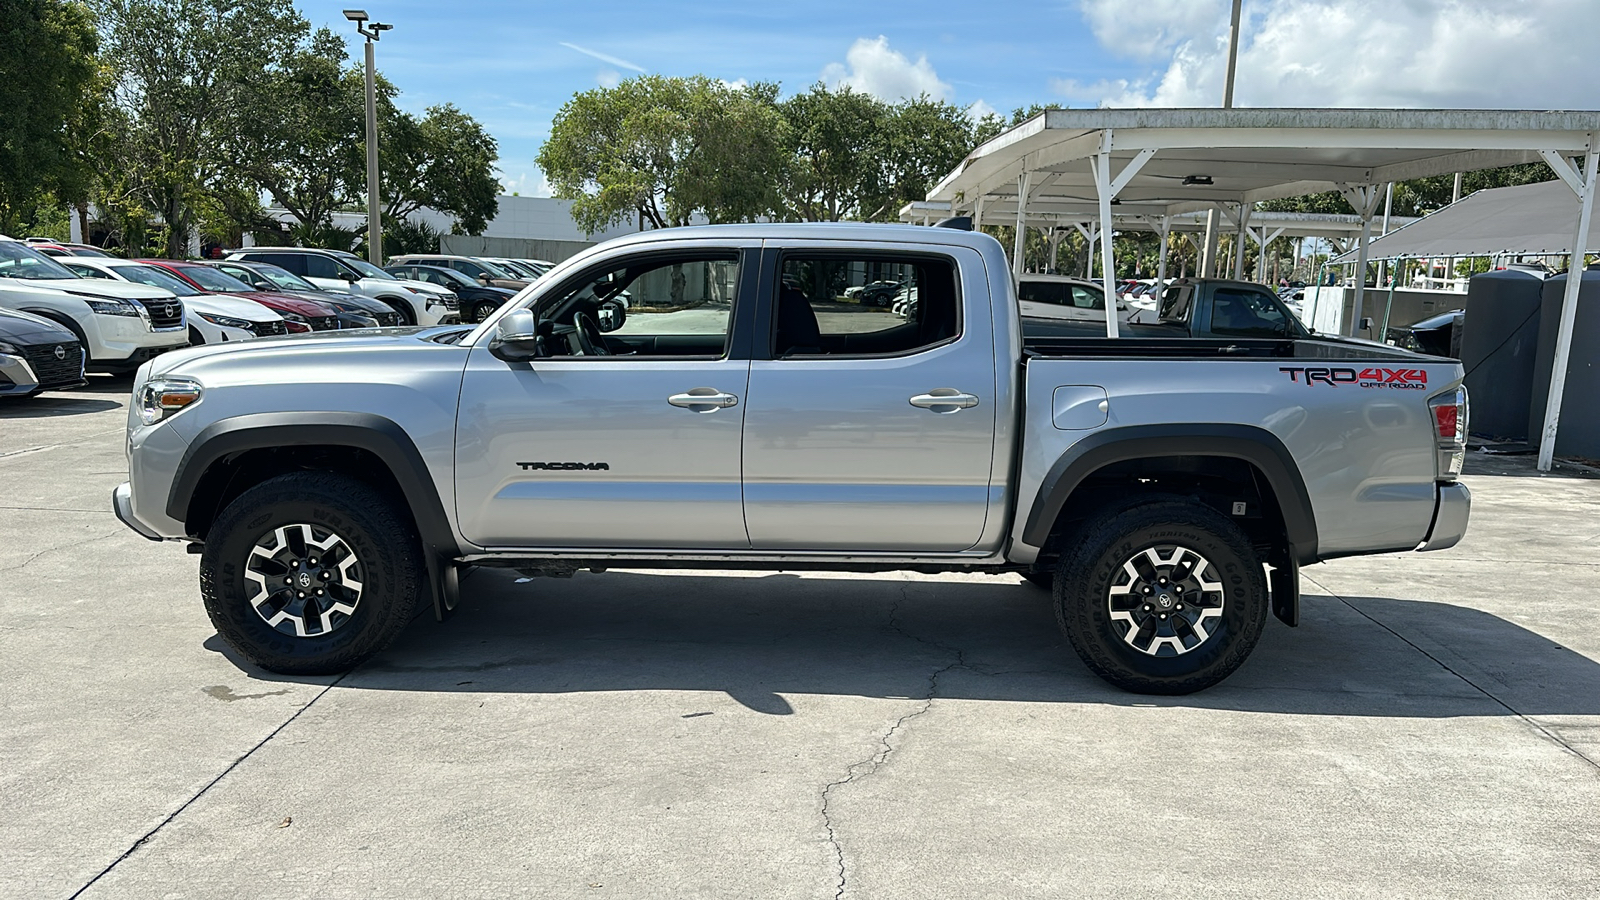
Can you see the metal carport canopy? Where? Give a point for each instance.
(1168, 161)
(1525, 220)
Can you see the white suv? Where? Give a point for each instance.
(417, 303)
(120, 325)
(213, 318)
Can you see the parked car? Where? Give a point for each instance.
(213, 318)
(119, 325)
(478, 301)
(301, 315)
(481, 270)
(63, 248)
(417, 304)
(1166, 492)
(268, 277)
(36, 355)
(1064, 297)
(1438, 335)
(520, 268)
(1212, 308)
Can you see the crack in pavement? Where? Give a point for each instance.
(1531, 723)
(12, 454)
(881, 756)
(149, 835)
(72, 546)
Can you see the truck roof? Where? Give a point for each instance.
(826, 231)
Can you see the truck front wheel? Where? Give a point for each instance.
(311, 573)
(1166, 597)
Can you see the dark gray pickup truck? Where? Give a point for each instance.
(1193, 308)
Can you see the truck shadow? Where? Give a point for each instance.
(763, 636)
(53, 405)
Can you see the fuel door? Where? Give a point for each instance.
(1079, 407)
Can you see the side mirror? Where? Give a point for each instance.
(349, 276)
(516, 337)
(1365, 324)
(484, 279)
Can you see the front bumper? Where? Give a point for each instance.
(122, 505)
(16, 376)
(1450, 516)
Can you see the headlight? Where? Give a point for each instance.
(9, 349)
(295, 317)
(113, 307)
(228, 322)
(162, 398)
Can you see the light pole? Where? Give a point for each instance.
(374, 216)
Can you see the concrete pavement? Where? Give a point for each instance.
(1431, 730)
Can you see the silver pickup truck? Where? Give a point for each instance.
(750, 413)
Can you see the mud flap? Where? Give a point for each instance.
(1284, 584)
(445, 576)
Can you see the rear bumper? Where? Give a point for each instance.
(1450, 515)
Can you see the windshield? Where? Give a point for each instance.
(284, 278)
(450, 275)
(155, 277)
(212, 280)
(496, 271)
(367, 270)
(19, 261)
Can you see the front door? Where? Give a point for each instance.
(623, 440)
(872, 428)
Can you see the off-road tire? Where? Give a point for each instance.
(1089, 568)
(376, 528)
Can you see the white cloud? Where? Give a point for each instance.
(979, 109)
(527, 184)
(1385, 53)
(608, 78)
(871, 67)
(604, 57)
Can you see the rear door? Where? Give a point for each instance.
(868, 429)
(634, 447)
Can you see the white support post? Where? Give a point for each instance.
(977, 213)
(1262, 239)
(1569, 300)
(1164, 229)
(1055, 250)
(1106, 188)
(1365, 200)
(1019, 244)
(1090, 235)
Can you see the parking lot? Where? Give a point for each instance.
(1431, 730)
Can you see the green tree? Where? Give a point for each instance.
(926, 139)
(443, 161)
(837, 140)
(298, 142)
(184, 73)
(666, 149)
(48, 75)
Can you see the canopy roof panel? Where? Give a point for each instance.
(1055, 214)
(1529, 219)
(1207, 157)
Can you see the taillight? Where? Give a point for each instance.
(1450, 429)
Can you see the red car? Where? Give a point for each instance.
(300, 315)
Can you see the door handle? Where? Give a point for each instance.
(944, 400)
(703, 400)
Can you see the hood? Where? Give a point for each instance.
(314, 343)
(286, 303)
(25, 328)
(343, 297)
(105, 287)
(423, 287)
(230, 305)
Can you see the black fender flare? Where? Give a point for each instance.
(376, 434)
(1257, 446)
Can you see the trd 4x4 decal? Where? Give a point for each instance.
(1401, 379)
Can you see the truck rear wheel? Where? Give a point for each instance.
(311, 573)
(1162, 598)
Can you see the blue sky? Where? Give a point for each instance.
(512, 65)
